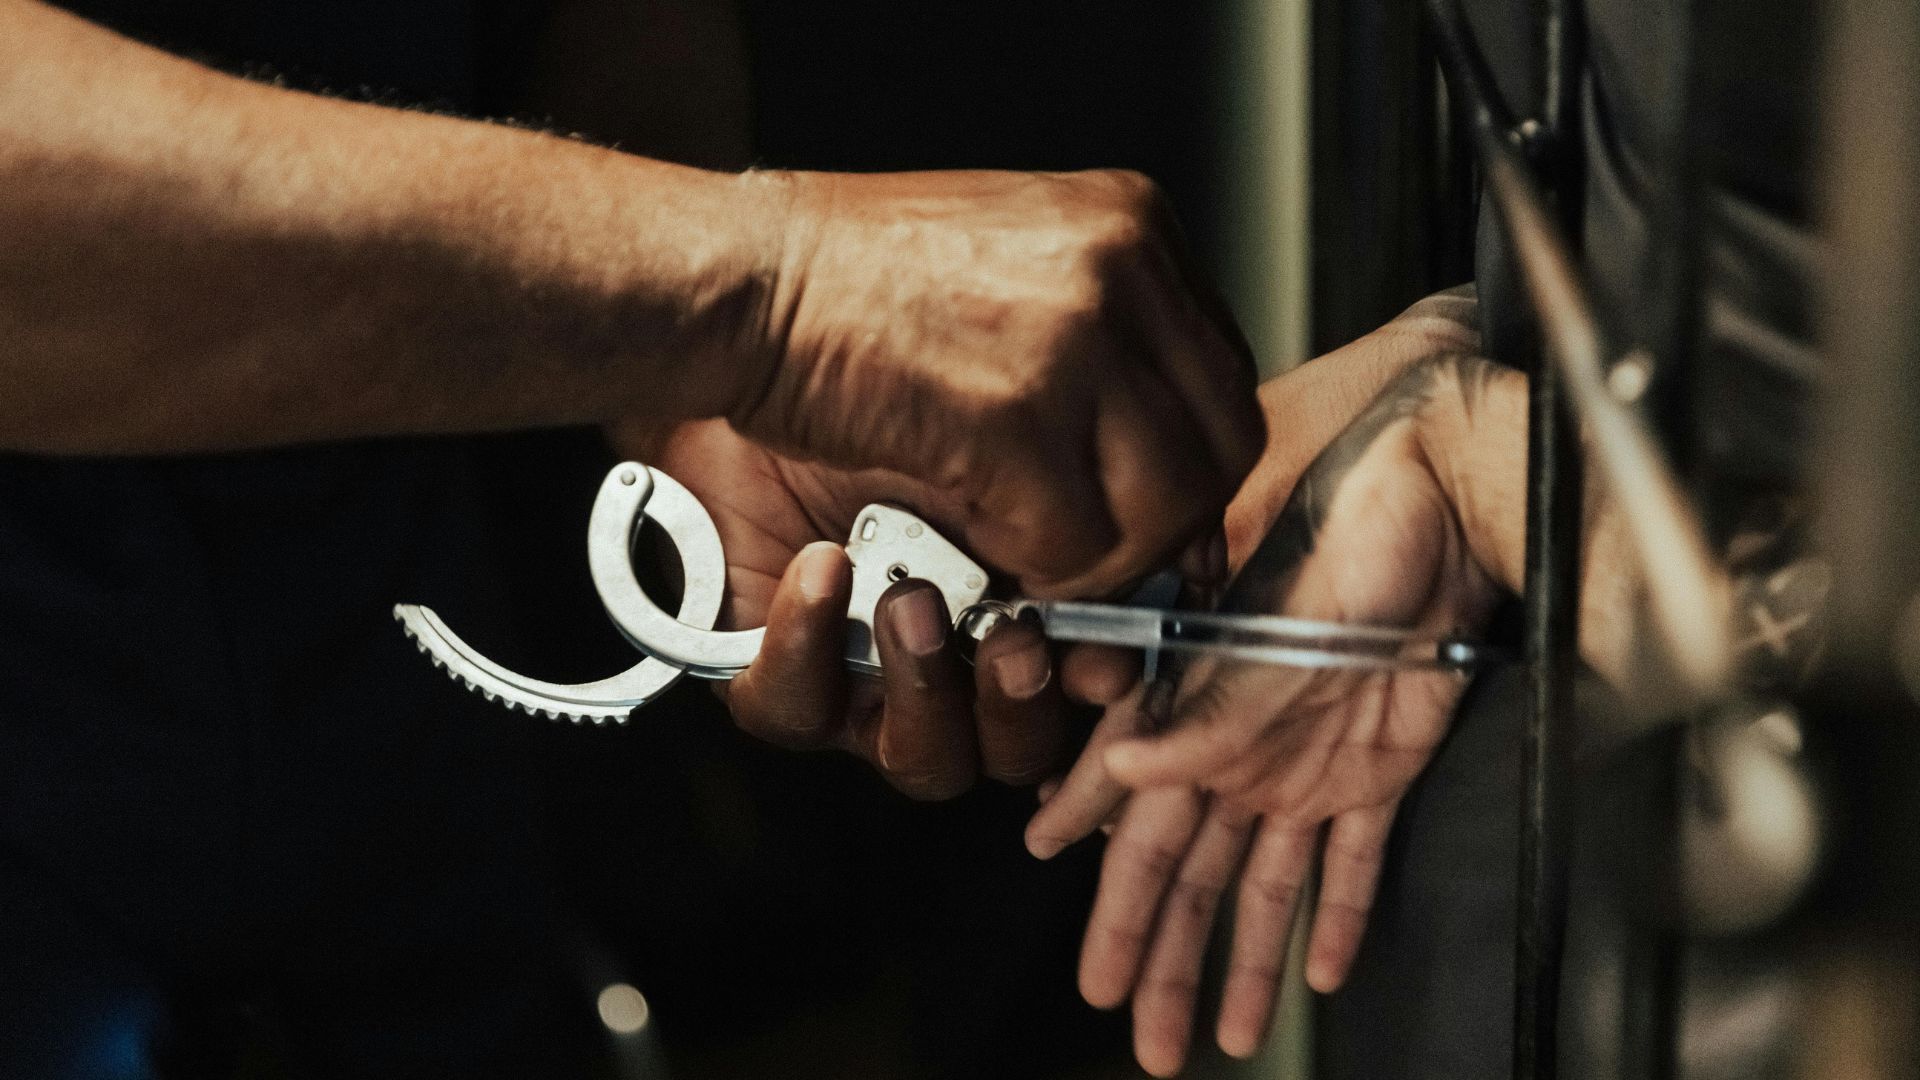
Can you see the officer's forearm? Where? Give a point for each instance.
(192, 261)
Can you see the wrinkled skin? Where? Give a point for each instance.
(1023, 359)
(1030, 346)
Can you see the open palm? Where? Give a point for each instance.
(1236, 769)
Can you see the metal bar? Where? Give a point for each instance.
(1552, 601)
(1554, 473)
(1560, 74)
(1688, 610)
(1572, 379)
(1552, 628)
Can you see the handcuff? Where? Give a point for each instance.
(887, 544)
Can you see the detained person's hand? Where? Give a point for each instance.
(1249, 773)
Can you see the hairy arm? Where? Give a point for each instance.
(193, 261)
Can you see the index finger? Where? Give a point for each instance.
(1088, 797)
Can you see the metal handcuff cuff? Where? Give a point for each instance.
(888, 544)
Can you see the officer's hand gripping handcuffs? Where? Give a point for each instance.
(888, 545)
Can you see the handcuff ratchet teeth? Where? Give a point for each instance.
(888, 544)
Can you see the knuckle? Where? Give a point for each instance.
(1194, 897)
(1122, 219)
(1365, 857)
(1234, 818)
(1276, 892)
(1120, 234)
(935, 784)
(1181, 987)
(789, 736)
(1261, 971)
(1354, 909)
(1133, 189)
(1122, 939)
(1157, 860)
(789, 728)
(1020, 769)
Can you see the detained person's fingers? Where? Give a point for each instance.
(1221, 712)
(1349, 877)
(1088, 798)
(1169, 987)
(1264, 909)
(1143, 855)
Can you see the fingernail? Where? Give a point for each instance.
(1022, 673)
(1044, 847)
(822, 568)
(1323, 975)
(1236, 1045)
(920, 618)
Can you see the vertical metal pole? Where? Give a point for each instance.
(1552, 576)
(1552, 600)
(1687, 611)
(1552, 610)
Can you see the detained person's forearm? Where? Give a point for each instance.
(1477, 446)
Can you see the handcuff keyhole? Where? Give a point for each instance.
(897, 572)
